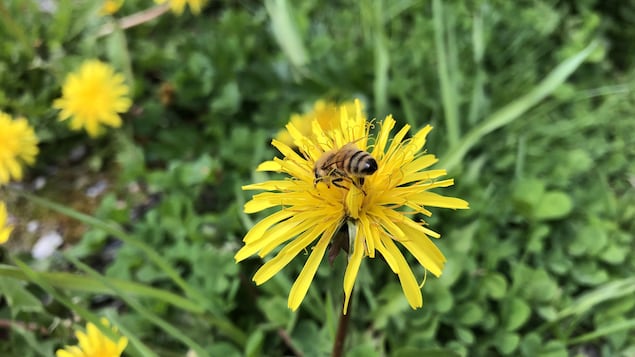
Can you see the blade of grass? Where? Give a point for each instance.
(586, 302)
(30, 340)
(147, 314)
(478, 101)
(604, 331)
(79, 310)
(446, 80)
(515, 109)
(135, 343)
(382, 58)
(116, 231)
(286, 33)
(76, 282)
(222, 323)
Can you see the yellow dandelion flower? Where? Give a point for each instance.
(378, 211)
(325, 112)
(93, 96)
(178, 6)
(94, 343)
(111, 6)
(18, 145)
(5, 227)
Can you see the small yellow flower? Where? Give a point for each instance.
(377, 215)
(5, 228)
(177, 6)
(326, 113)
(93, 96)
(18, 145)
(111, 6)
(94, 343)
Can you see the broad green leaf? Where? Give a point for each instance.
(506, 342)
(431, 352)
(554, 349)
(531, 344)
(614, 254)
(465, 335)
(495, 285)
(527, 195)
(276, 310)
(553, 205)
(469, 314)
(515, 313)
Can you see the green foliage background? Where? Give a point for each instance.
(541, 265)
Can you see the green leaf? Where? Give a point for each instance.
(608, 291)
(614, 254)
(228, 102)
(276, 310)
(515, 313)
(18, 297)
(43, 348)
(495, 285)
(531, 344)
(527, 194)
(506, 342)
(364, 350)
(469, 314)
(554, 349)
(428, 352)
(196, 172)
(553, 205)
(589, 273)
(465, 335)
(517, 108)
(253, 348)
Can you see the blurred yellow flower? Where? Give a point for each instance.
(111, 6)
(5, 227)
(18, 145)
(94, 343)
(177, 6)
(325, 112)
(377, 212)
(93, 96)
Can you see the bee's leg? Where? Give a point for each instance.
(359, 183)
(338, 182)
(321, 179)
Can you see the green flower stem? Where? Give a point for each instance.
(83, 283)
(342, 329)
(226, 327)
(515, 109)
(147, 314)
(84, 313)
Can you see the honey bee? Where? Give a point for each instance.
(347, 163)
